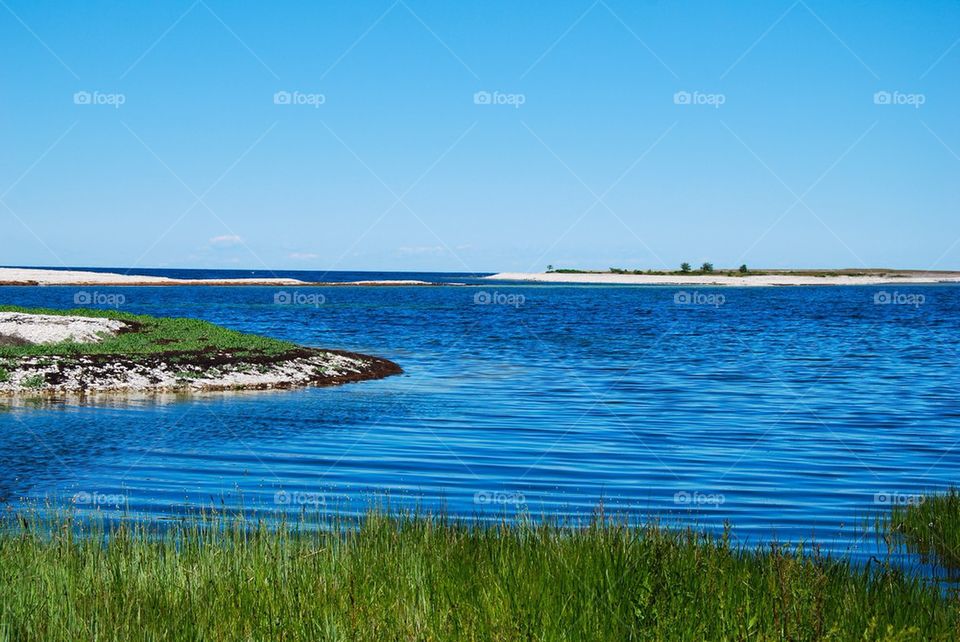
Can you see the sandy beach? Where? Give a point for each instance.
(31, 276)
(753, 280)
(17, 328)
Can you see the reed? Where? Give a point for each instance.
(931, 526)
(431, 578)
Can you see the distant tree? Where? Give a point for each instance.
(685, 267)
(550, 268)
(707, 267)
(744, 269)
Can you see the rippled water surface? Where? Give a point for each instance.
(790, 412)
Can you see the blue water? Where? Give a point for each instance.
(789, 412)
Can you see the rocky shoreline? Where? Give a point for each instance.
(190, 373)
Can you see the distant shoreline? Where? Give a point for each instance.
(722, 278)
(80, 278)
(754, 278)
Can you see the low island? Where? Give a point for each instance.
(742, 276)
(92, 351)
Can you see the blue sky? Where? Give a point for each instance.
(480, 136)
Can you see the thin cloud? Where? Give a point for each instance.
(431, 249)
(227, 240)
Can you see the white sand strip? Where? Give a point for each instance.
(30, 276)
(34, 329)
(755, 280)
(397, 282)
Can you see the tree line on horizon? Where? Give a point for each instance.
(685, 268)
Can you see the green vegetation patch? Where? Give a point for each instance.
(932, 527)
(420, 578)
(35, 382)
(149, 336)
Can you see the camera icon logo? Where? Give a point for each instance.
(682, 98)
(82, 98)
(282, 98)
(882, 98)
(482, 98)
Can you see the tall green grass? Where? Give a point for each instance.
(931, 527)
(423, 578)
(153, 335)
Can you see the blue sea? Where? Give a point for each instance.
(790, 413)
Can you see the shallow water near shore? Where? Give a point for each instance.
(791, 413)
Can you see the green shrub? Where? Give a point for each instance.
(34, 382)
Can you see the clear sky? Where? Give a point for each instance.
(439, 135)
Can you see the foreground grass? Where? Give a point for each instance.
(153, 335)
(430, 579)
(932, 527)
